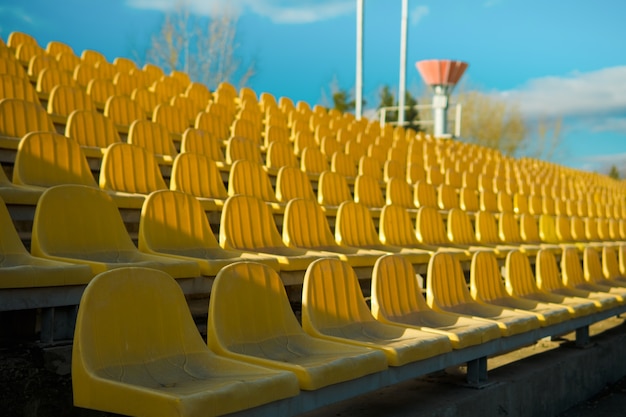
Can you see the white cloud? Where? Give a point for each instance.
(418, 13)
(279, 11)
(17, 13)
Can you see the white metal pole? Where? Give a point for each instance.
(457, 120)
(359, 60)
(403, 38)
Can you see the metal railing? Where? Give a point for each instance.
(455, 113)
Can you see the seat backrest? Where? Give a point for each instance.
(212, 123)
(11, 66)
(313, 161)
(447, 197)
(332, 189)
(394, 169)
(424, 194)
(610, 263)
(91, 128)
(105, 340)
(167, 87)
(51, 77)
(332, 297)
(197, 175)
(592, 266)
(487, 228)
(519, 277)
(529, 230)
(396, 292)
(591, 229)
(280, 155)
(154, 72)
(239, 148)
(123, 111)
(72, 219)
(571, 268)
(343, 164)
(577, 225)
(468, 200)
(26, 51)
(292, 183)
(199, 93)
(276, 133)
(153, 137)
(508, 228)
(395, 227)
(534, 204)
(488, 201)
(203, 143)
(131, 169)
(563, 228)
(398, 193)
(16, 87)
(485, 279)
(252, 287)
(505, 202)
(354, 225)
(329, 146)
(247, 224)
(547, 229)
(415, 172)
(173, 118)
(172, 221)
(460, 230)
(146, 99)
(445, 282)
(305, 225)
(520, 203)
(124, 64)
(64, 99)
(429, 227)
(246, 129)
(92, 57)
(548, 205)
(100, 89)
(367, 192)
(16, 38)
(249, 178)
(370, 167)
(46, 159)
(19, 117)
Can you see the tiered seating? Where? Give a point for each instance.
(384, 190)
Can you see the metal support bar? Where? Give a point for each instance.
(403, 47)
(582, 337)
(477, 371)
(358, 110)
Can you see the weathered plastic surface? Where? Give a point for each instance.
(80, 224)
(447, 291)
(250, 319)
(157, 363)
(199, 175)
(486, 286)
(397, 298)
(333, 308)
(174, 224)
(574, 277)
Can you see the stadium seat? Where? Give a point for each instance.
(354, 227)
(487, 233)
(46, 159)
(344, 165)
(275, 339)
(11, 66)
(241, 148)
(19, 269)
(92, 131)
(17, 38)
(92, 57)
(313, 161)
(199, 176)
(190, 108)
(199, 93)
(447, 197)
(203, 143)
(447, 291)
(280, 155)
(367, 192)
(247, 225)
(549, 279)
(146, 99)
(593, 273)
(462, 235)
(14, 194)
(129, 173)
(431, 233)
(123, 112)
(157, 361)
(174, 224)
(486, 286)
(51, 77)
(305, 226)
(424, 195)
(333, 308)
(17, 87)
(64, 100)
(292, 183)
(397, 299)
(213, 124)
(155, 138)
(124, 64)
(19, 117)
(173, 118)
(83, 73)
(100, 89)
(82, 225)
(520, 282)
(249, 178)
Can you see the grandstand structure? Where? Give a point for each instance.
(125, 190)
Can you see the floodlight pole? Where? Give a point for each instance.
(359, 60)
(403, 38)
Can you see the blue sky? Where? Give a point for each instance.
(552, 58)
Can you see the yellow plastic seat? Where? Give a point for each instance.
(80, 224)
(92, 57)
(166, 88)
(611, 264)
(173, 118)
(461, 234)
(83, 73)
(302, 139)
(199, 176)
(343, 165)
(549, 279)
(594, 275)
(487, 233)
(16, 38)
(189, 107)
(394, 169)
(241, 148)
(51, 77)
(354, 227)
(246, 129)
(154, 72)
(509, 232)
(65, 99)
(11, 66)
(398, 193)
(146, 99)
(520, 282)
(125, 83)
(280, 155)
(486, 286)
(174, 224)
(99, 90)
(157, 364)
(313, 161)
(124, 64)
(17, 87)
(530, 233)
(431, 232)
(19, 269)
(367, 191)
(247, 225)
(292, 183)
(123, 112)
(199, 93)
(14, 194)
(46, 159)
(447, 291)
(274, 338)
(424, 195)
(26, 51)
(155, 138)
(370, 167)
(333, 308)
(92, 131)
(129, 173)
(203, 143)
(397, 299)
(248, 178)
(19, 117)
(305, 226)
